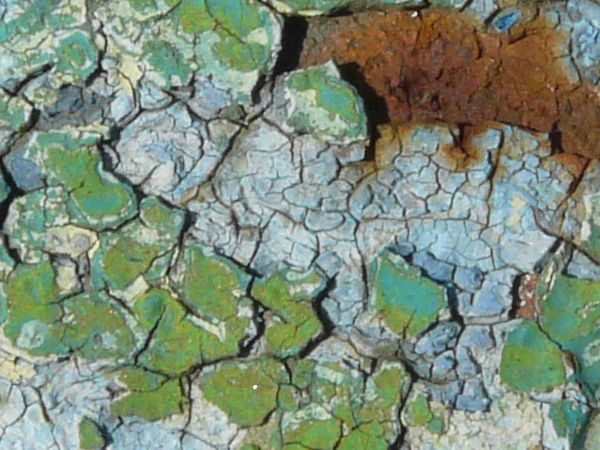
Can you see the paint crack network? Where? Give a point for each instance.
(299, 224)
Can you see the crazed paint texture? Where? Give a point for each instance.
(442, 65)
(199, 248)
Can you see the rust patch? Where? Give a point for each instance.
(464, 154)
(443, 66)
(528, 307)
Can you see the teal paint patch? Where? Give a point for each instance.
(568, 419)
(407, 302)
(570, 316)
(530, 361)
(324, 104)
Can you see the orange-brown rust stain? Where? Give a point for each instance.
(442, 66)
(527, 291)
(463, 152)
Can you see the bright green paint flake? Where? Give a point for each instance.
(179, 341)
(194, 16)
(267, 435)
(366, 436)
(592, 244)
(237, 21)
(139, 247)
(96, 198)
(418, 412)
(287, 399)
(568, 419)
(436, 425)
(34, 316)
(572, 310)
(570, 316)
(289, 295)
(95, 327)
(339, 390)
(385, 390)
(302, 372)
(336, 399)
(321, 434)
(41, 323)
(151, 397)
(4, 189)
(210, 286)
(531, 361)
(245, 390)
(176, 342)
(90, 435)
(246, 34)
(325, 105)
(407, 302)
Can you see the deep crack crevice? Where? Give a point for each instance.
(376, 108)
(292, 41)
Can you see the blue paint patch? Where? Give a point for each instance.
(506, 20)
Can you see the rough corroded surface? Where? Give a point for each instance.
(440, 65)
(393, 242)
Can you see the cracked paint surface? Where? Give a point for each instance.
(299, 224)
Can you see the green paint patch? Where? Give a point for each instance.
(592, 434)
(176, 342)
(243, 28)
(33, 219)
(34, 315)
(39, 32)
(293, 323)
(96, 199)
(95, 327)
(230, 42)
(385, 390)
(77, 56)
(322, 434)
(169, 61)
(210, 286)
(419, 414)
(44, 323)
(344, 409)
(570, 316)
(245, 390)
(568, 419)
(325, 105)
(151, 397)
(407, 302)
(180, 341)
(530, 361)
(90, 435)
(368, 435)
(141, 248)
